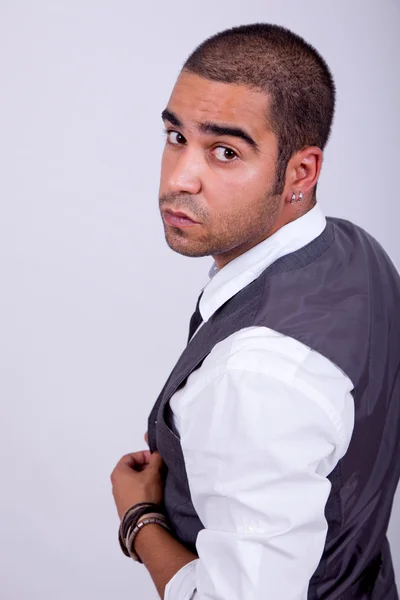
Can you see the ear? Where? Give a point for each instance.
(303, 172)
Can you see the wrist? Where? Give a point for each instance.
(143, 521)
(149, 537)
(130, 520)
(148, 516)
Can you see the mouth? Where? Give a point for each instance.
(178, 219)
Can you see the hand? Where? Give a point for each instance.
(138, 477)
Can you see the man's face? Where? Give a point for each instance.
(218, 167)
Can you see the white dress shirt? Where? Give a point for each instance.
(262, 423)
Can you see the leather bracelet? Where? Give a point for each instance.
(137, 505)
(132, 527)
(130, 542)
(137, 511)
(131, 517)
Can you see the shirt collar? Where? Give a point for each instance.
(244, 269)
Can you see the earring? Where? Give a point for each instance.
(293, 200)
(300, 197)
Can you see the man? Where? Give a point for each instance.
(274, 445)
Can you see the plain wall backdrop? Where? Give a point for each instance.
(94, 306)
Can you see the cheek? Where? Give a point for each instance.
(232, 189)
(255, 177)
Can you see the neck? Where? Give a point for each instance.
(221, 260)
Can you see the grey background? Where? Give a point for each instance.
(94, 307)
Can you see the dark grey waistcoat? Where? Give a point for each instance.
(339, 295)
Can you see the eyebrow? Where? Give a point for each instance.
(214, 128)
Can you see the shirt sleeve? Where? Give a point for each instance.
(261, 429)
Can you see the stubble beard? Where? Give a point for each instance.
(235, 231)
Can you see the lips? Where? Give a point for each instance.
(178, 219)
(179, 214)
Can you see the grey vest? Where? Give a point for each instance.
(339, 295)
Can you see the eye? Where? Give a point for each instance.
(174, 137)
(225, 154)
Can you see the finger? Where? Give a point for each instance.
(155, 460)
(133, 459)
(146, 438)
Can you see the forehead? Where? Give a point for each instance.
(196, 99)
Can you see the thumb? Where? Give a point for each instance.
(155, 460)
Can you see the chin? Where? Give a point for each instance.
(182, 245)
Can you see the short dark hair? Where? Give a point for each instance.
(273, 59)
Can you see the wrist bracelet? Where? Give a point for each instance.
(137, 510)
(131, 517)
(145, 516)
(134, 506)
(130, 543)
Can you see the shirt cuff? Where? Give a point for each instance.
(182, 586)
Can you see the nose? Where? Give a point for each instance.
(184, 175)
